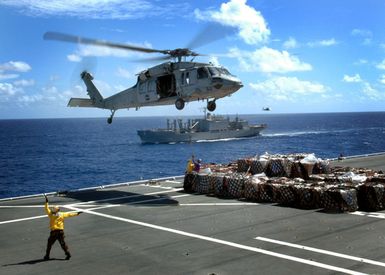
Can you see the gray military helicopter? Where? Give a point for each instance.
(168, 83)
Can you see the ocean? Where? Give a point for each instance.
(47, 155)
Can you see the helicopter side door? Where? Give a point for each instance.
(147, 91)
(188, 81)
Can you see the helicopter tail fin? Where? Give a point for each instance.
(80, 102)
(95, 100)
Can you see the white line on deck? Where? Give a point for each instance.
(84, 204)
(42, 206)
(24, 219)
(322, 251)
(223, 242)
(130, 197)
(218, 204)
(377, 215)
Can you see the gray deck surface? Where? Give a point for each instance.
(159, 229)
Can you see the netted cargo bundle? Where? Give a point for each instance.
(380, 178)
(236, 184)
(243, 165)
(202, 185)
(266, 193)
(276, 168)
(285, 194)
(321, 167)
(308, 197)
(371, 196)
(189, 182)
(252, 190)
(297, 171)
(340, 200)
(257, 166)
(216, 184)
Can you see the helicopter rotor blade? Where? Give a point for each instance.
(210, 33)
(151, 59)
(82, 40)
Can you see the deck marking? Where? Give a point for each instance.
(228, 243)
(219, 204)
(42, 206)
(158, 199)
(377, 215)
(94, 208)
(25, 219)
(322, 251)
(132, 196)
(84, 204)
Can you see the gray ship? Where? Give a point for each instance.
(210, 127)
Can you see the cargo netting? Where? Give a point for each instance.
(296, 180)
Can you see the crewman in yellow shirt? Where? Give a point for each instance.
(190, 165)
(56, 223)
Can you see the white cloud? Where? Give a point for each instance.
(366, 35)
(382, 79)
(124, 73)
(7, 89)
(291, 43)
(361, 62)
(236, 13)
(268, 60)
(214, 60)
(24, 82)
(381, 65)
(355, 78)
(288, 88)
(8, 76)
(323, 43)
(97, 9)
(371, 92)
(74, 58)
(15, 66)
(361, 32)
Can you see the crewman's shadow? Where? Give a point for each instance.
(35, 261)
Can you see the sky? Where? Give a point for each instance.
(293, 56)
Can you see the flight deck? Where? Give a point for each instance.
(154, 227)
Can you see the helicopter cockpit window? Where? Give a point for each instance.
(202, 73)
(225, 71)
(218, 71)
(214, 71)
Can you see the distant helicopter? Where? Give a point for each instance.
(266, 109)
(168, 83)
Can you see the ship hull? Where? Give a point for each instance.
(169, 136)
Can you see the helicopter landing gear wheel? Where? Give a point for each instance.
(109, 120)
(179, 104)
(211, 106)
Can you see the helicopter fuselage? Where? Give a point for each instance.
(166, 84)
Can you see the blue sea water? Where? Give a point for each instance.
(44, 155)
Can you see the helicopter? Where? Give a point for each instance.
(266, 109)
(171, 82)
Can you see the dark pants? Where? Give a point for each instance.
(56, 235)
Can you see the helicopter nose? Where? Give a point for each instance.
(237, 84)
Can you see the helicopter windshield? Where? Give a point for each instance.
(218, 71)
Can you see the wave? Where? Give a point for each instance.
(320, 132)
(223, 139)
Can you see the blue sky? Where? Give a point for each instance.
(293, 56)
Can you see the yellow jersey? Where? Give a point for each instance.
(56, 220)
(190, 166)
